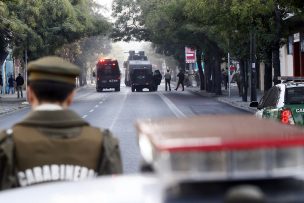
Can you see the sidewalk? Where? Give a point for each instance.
(234, 99)
(10, 103)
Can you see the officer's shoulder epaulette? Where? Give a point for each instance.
(4, 135)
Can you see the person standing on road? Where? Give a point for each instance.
(19, 84)
(11, 84)
(181, 78)
(237, 79)
(168, 80)
(157, 77)
(225, 78)
(54, 143)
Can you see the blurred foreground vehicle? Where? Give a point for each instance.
(244, 159)
(283, 102)
(108, 75)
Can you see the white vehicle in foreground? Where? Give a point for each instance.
(201, 159)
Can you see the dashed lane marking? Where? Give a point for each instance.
(84, 116)
(118, 111)
(96, 106)
(91, 110)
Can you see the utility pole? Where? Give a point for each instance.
(26, 82)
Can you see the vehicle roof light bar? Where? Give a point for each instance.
(222, 147)
(290, 78)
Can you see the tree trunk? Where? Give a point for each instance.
(200, 68)
(208, 74)
(243, 74)
(276, 46)
(217, 74)
(82, 76)
(268, 72)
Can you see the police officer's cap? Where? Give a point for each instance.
(53, 68)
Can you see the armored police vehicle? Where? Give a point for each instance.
(138, 72)
(107, 75)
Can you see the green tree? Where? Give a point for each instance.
(41, 27)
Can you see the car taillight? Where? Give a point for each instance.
(286, 117)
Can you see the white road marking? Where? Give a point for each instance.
(100, 102)
(91, 110)
(96, 106)
(84, 116)
(119, 111)
(178, 113)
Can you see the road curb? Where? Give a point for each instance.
(224, 100)
(236, 105)
(8, 110)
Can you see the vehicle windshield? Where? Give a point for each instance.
(295, 95)
(107, 70)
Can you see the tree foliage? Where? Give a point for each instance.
(41, 27)
(215, 26)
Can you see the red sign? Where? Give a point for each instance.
(190, 55)
(232, 68)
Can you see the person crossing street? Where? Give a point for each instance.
(168, 80)
(181, 78)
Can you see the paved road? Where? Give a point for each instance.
(118, 111)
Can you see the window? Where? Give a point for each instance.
(270, 98)
(294, 95)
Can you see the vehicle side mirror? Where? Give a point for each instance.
(254, 104)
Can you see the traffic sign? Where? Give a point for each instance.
(190, 55)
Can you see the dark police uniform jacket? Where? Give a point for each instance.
(53, 146)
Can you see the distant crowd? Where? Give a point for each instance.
(13, 85)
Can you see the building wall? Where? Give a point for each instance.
(286, 61)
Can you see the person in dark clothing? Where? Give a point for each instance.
(11, 84)
(237, 79)
(225, 78)
(181, 78)
(157, 76)
(19, 83)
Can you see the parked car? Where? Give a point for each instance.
(283, 102)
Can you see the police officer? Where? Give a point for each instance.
(53, 143)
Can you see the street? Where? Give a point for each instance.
(118, 111)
